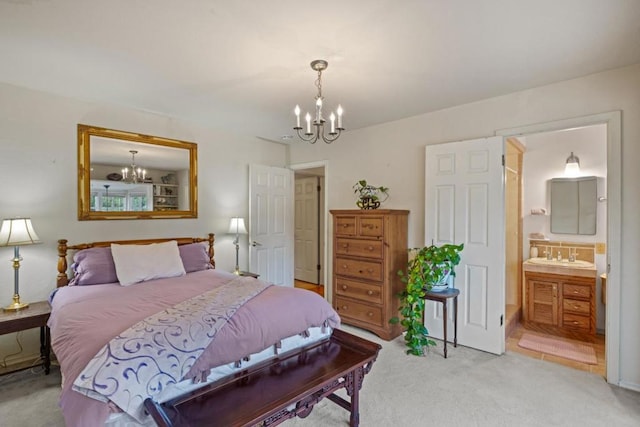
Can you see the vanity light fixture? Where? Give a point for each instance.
(17, 232)
(137, 174)
(572, 167)
(319, 65)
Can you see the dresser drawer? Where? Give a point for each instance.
(371, 227)
(368, 270)
(355, 247)
(573, 290)
(575, 321)
(358, 290)
(345, 226)
(359, 311)
(576, 306)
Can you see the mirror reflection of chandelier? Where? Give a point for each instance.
(137, 174)
(319, 65)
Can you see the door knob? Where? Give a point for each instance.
(254, 243)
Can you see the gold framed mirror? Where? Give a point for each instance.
(125, 175)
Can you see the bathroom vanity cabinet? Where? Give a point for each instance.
(562, 302)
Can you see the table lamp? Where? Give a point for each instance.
(17, 232)
(236, 226)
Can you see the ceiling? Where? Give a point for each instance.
(243, 65)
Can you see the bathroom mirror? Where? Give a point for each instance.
(125, 175)
(573, 205)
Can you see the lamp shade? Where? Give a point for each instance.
(572, 167)
(17, 232)
(236, 226)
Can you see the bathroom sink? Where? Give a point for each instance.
(563, 263)
(576, 268)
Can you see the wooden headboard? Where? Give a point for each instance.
(63, 279)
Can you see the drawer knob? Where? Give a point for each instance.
(345, 266)
(576, 306)
(369, 292)
(344, 307)
(345, 245)
(575, 322)
(370, 314)
(370, 270)
(576, 292)
(345, 225)
(370, 248)
(360, 271)
(344, 287)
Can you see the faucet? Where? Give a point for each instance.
(559, 256)
(548, 253)
(572, 256)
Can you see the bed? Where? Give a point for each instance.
(142, 327)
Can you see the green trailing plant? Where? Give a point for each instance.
(369, 196)
(430, 266)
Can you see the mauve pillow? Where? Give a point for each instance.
(194, 257)
(93, 266)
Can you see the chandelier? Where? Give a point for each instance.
(137, 174)
(319, 65)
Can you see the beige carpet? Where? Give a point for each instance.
(469, 388)
(568, 349)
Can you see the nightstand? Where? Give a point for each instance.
(36, 315)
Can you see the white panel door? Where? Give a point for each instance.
(307, 263)
(465, 204)
(271, 223)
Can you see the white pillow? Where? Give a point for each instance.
(139, 263)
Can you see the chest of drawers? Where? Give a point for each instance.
(369, 247)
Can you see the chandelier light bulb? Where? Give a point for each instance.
(308, 118)
(297, 112)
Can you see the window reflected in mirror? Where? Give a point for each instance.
(123, 175)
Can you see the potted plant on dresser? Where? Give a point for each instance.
(428, 270)
(369, 196)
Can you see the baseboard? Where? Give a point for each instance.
(629, 385)
(22, 362)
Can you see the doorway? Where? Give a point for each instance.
(547, 147)
(310, 227)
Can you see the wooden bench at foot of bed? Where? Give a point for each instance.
(285, 387)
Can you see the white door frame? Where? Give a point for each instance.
(324, 217)
(613, 120)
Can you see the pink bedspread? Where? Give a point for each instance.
(85, 318)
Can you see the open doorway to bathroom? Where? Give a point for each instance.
(555, 311)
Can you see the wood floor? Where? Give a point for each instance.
(319, 289)
(597, 342)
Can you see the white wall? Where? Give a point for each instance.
(38, 164)
(545, 158)
(392, 155)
